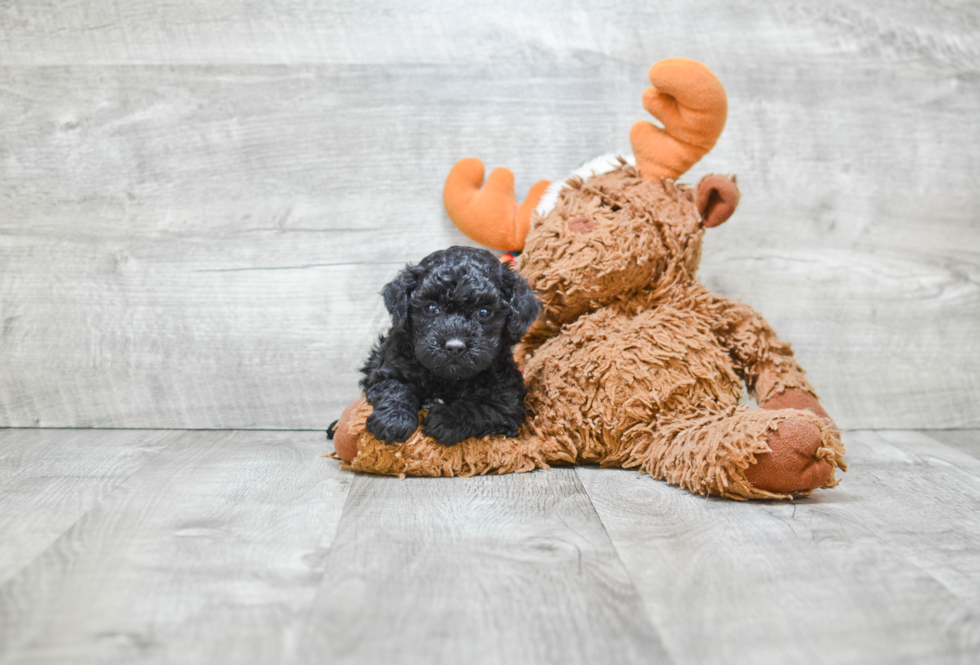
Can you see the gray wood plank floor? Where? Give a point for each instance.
(247, 547)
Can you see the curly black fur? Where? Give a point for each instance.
(455, 319)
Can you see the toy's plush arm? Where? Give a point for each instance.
(762, 360)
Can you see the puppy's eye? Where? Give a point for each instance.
(484, 312)
(432, 308)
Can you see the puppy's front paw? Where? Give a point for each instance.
(392, 425)
(443, 426)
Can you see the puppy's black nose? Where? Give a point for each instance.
(455, 346)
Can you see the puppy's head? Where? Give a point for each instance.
(459, 308)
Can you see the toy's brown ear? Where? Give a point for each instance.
(717, 199)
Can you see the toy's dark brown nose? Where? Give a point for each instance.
(455, 346)
(580, 225)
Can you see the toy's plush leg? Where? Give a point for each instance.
(742, 454)
(422, 456)
(791, 463)
(760, 454)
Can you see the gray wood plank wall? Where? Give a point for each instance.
(199, 200)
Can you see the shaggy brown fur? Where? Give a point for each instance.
(632, 363)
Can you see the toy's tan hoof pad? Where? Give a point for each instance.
(792, 465)
(344, 442)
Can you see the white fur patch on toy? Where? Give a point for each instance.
(597, 166)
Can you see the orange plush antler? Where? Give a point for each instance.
(489, 213)
(691, 103)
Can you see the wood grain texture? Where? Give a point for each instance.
(885, 568)
(246, 547)
(199, 201)
(211, 552)
(507, 569)
(60, 32)
(964, 440)
(49, 480)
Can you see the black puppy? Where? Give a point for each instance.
(455, 319)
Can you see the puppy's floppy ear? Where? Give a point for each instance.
(398, 293)
(523, 305)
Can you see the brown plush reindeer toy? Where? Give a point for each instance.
(632, 362)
